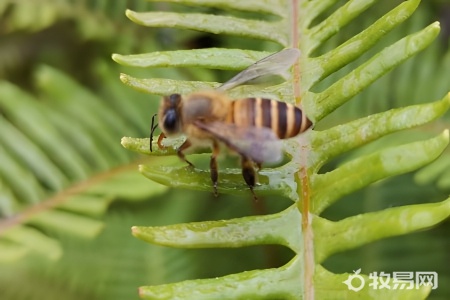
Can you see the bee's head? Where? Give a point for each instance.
(170, 116)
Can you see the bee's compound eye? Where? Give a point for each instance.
(170, 121)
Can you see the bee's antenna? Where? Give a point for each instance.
(152, 129)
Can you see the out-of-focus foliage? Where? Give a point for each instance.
(63, 111)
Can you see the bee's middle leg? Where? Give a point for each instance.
(249, 174)
(213, 166)
(182, 148)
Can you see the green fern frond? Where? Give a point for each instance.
(34, 16)
(300, 227)
(84, 269)
(79, 25)
(52, 183)
(437, 172)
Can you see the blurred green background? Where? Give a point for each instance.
(63, 111)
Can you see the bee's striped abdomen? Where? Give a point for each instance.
(285, 120)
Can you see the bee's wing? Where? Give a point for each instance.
(275, 64)
(258, 144)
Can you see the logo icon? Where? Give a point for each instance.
(349, 281)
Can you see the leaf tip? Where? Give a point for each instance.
(436, 25)
(143, 233)
(143, 169)
(135, 230)
(116, 57)
(434, 28)
(141, 292)
(124, 78)
(129, 13)
(146, 292)
(124, 141)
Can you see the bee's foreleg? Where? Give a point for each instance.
(249, 174)
(182, 148)
(213, 166)
(160, 138)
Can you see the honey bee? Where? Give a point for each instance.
(251, 127)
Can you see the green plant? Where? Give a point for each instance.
(55, 249)
(300, 227)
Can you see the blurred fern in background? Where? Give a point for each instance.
(63, 112)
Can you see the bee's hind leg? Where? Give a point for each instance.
(249, 174)
(258, 165)
(213, 166)
(182, 148)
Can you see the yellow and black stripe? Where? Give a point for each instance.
(285, 120)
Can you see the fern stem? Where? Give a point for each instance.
(302, 177)
(58, 199)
